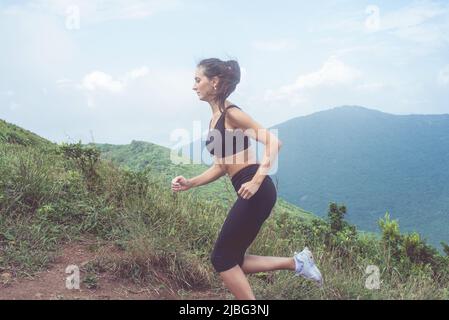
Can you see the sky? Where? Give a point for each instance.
(121, 70)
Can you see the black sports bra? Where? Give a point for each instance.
(221, 134)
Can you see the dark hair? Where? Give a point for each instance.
(229, 74)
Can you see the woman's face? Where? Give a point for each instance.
(203, 86)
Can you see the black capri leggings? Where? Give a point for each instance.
(244, 220)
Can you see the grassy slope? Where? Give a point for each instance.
(10, 133)
(48, 199)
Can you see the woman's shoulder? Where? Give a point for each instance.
(236, 117)
(232, 108)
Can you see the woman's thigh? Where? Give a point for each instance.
(243, 222)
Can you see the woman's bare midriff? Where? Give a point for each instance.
(234, 163)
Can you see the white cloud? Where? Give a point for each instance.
(333, 72)
(139, 89)
(101, 81)
(98, 80)
(136, 73)
(443, 76)
(274, 45)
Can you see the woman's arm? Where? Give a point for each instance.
(213, 173)
(272, 147)
(251, 128)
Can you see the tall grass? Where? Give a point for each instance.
(49, 198)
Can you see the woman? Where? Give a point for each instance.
(215, 80)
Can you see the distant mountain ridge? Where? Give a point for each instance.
(373, 162)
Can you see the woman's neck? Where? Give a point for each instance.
(216, 109)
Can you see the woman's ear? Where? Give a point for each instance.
(215, 81)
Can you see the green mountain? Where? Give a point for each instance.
(372, 162)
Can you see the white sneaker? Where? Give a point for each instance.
(305, 266)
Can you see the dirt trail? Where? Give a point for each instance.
(51, 284)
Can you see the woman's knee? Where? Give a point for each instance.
(222, 262)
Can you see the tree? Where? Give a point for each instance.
(336, 217)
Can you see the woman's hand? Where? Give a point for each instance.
(248, 189)
(180, 184)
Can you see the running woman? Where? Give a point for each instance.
(230, 145)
